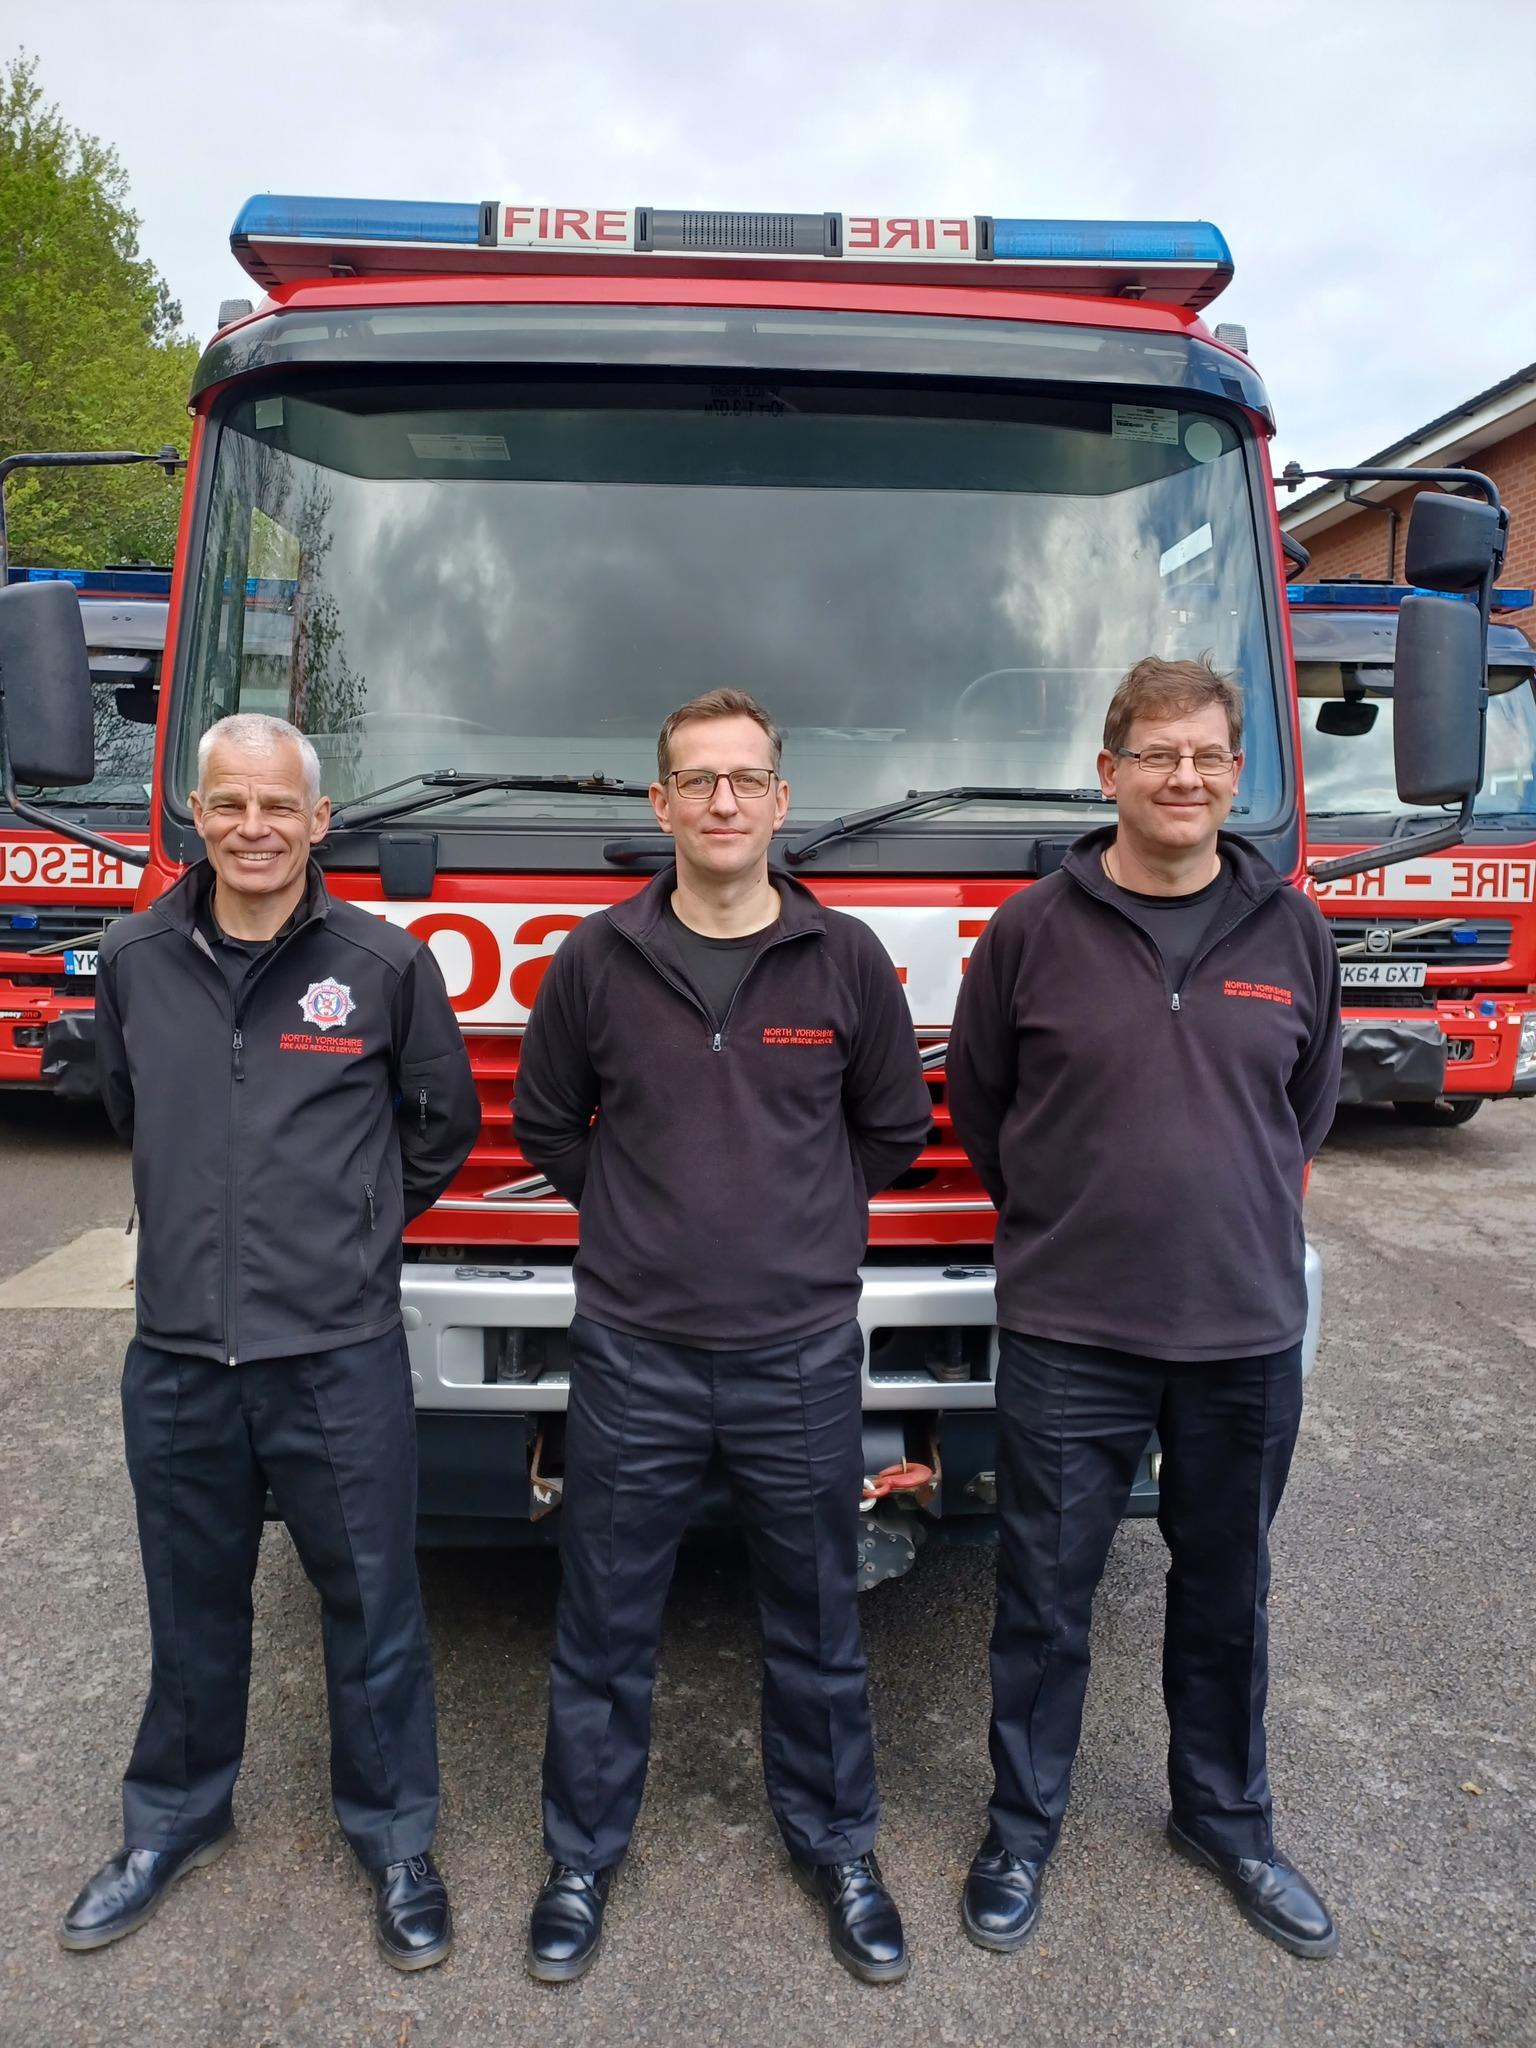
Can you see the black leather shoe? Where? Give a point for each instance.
(862, 1920)
(127, 1891)
(565, 1930)
(1274, 1897)
(411, 1917)
(1001, 1900)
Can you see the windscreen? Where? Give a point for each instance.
(924, 587)
(125, 644)
(1349, 772)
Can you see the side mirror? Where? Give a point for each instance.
(1453, 543)
(45, 684)
(1440, 705)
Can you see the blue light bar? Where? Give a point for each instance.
(1111, 241)
(101, 582)
(1388, 596)
(365, 220)
(283, 238)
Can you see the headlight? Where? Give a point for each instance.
(1525, 1059)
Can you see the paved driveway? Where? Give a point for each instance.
(1403, 1731)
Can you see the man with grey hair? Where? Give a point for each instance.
(294, 1083)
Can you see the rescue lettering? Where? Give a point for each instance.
(494, 956)
(1257, 991)
(798, 1034)
(59, 864)
(1461, 878)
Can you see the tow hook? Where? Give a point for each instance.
(546, 1489)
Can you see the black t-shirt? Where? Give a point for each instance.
(235, 958)
(715, 966)
(1176, 925)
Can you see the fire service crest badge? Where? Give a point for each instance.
(327, 1004)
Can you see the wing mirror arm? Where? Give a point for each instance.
(1390, 852)
(166, 458)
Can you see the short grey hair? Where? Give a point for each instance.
(257, 732)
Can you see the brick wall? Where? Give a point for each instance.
(1357, 546)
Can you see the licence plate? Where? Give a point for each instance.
(1383, 973)
(80, 960)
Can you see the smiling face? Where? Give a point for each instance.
(1175, 813)
(721, 837)
(258, 821)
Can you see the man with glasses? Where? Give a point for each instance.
(1145, 1055)
(751, 1063)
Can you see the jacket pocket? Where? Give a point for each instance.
(365, 1238)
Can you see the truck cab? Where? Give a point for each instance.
(479, 493)
(1438, 955)
(56, 894)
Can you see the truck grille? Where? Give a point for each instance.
(938, 1199)
(49, 927)
(1489, 945)
(1398, 998)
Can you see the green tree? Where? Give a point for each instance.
(92, 352)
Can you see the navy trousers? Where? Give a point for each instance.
(1073, 1422)
(644, 1420)
(333, 1433)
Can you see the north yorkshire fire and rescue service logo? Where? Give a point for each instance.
(327, 1004)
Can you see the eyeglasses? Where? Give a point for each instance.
(699, 783)
(1209, 761)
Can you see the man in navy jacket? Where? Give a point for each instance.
(751, 1063)
(1145, 1056)
(296, 1089)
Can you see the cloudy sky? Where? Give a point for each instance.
(1370, 161)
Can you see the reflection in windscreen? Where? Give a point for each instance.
(125, 643)
(1351, 774)
(528, 579)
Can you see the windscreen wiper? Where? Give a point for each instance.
(442, 785)
(928, 799)
(63, 802)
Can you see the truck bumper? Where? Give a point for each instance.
(482, 1439)
(30, 1009)
(1392, 1059)
(491, 1339)
(1474, 1048)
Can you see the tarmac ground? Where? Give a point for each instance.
(1402, 1721)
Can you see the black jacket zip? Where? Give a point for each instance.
(717, 1030)
(255, 1253)
(1208, 945)
(754, 1242)
(237, 1010)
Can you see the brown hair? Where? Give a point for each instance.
(717, 704)
(1161, 689)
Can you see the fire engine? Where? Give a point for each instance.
(1439, 954)
(478, 493)
(56, 894)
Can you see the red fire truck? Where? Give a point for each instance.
(480, 492)
(1438, 954)
(56, 894)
